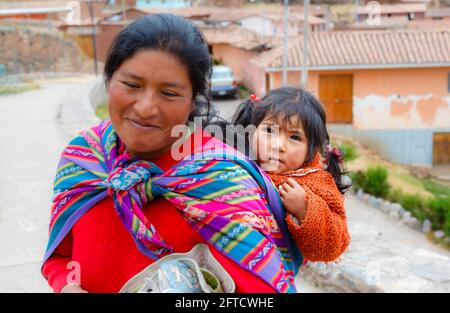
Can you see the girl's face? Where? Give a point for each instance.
(149, 94)
(280, 147)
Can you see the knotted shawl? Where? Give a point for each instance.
(222, 194)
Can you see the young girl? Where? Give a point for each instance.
(289, 138)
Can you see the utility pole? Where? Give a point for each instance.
(286, 41)
(124, 13)
(94, 44)
(304, 77)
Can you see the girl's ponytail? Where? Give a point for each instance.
(245, 116)
(333, 160)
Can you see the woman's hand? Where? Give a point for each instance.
(72, 288)
(293, 198)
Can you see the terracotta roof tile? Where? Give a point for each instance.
(365, 48)
(240, 37)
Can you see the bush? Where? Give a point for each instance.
(446, 227)
(396, 195)
(376, 183)
(373, 181)
(440, 213)
(359, 179)
(416, 205)
(436, 208)
(349, 152)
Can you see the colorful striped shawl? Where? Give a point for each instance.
(221, 193)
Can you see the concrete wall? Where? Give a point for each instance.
(412, 98)
(259, 25)
(405, 146)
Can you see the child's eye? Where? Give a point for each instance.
(295, 137)
(270, 129)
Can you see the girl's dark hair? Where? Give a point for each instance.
(283, 104)
(175, 35)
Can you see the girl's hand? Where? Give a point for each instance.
(72, 288)
(293, 198)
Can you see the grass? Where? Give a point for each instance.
(102, 111)
(438, 189)
(17, 88)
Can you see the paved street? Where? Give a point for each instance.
(31, 138)
(227, 106)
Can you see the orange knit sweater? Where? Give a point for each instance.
(322, 236)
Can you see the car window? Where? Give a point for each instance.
(221, 74)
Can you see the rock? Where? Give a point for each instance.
(386, 208)
(394, 214)
(396, 206)
(365, 198)
(385, 204)
(394, 211)
(370, 200)
(377, 203)
(406, 216)
(426, 226)
(346, 180)
(439, 234)
(360, 194)
(413, 223)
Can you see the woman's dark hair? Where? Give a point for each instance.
(175, 35)
(283, 104)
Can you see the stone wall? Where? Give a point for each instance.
(29, 50)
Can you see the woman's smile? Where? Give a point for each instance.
(141, 125)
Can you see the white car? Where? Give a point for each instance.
(223, 82)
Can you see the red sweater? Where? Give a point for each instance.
(108, 256)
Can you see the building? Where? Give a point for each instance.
(51, 10)
(411, 11)
(168, 4)
(389, 88)
(438, 14)
(270, 24)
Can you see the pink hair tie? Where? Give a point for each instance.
(335, 152)
(254, 98)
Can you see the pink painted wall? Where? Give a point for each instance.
(239, 62)
(415, 98)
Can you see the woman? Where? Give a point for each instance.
(123, 201)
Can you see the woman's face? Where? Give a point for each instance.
(149, 94)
